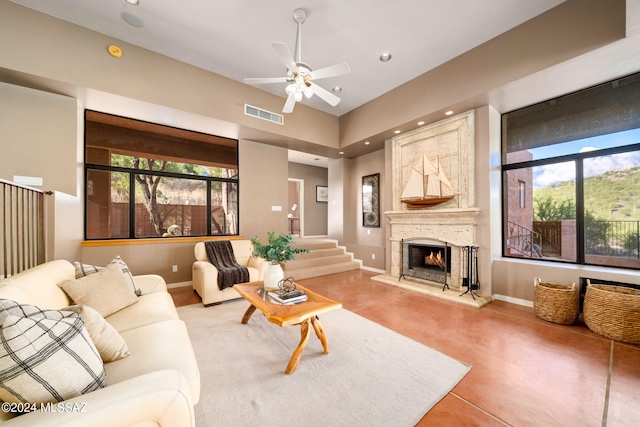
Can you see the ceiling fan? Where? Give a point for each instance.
(300, 76)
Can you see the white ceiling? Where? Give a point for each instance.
(233, 38)
(308, 159)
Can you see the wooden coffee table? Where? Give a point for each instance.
(303, 314)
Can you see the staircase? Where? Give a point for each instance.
(324, 257)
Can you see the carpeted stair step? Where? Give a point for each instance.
(324, 257)
(315, 244)
(301, 262)
(306, 273)
(319, 253)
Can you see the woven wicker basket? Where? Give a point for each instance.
(555, 302)
(613, 312)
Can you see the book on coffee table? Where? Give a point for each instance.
(288, 297)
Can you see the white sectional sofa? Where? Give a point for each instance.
(158, 383)
(205, 274)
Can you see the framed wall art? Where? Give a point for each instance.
(322, 194)
(371, 200)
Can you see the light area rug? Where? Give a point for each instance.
(371, 376)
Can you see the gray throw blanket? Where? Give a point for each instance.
(220, 253)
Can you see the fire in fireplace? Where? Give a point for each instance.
(430, 257)
(435, 260)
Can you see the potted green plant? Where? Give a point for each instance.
(277, 251)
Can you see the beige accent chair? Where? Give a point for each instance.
(205, 275)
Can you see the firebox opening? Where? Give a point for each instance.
(429, 257)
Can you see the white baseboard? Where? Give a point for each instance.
(513, 300)
(373, 270)
(180, 284)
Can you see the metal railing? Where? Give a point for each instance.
(613, 238)
(521, 240)
(22, 233)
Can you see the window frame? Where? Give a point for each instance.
(209, 180)
(579, 159)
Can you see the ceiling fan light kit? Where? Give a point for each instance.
(300, 76)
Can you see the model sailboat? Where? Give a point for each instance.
(427, 185)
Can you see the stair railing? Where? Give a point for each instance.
(523, 241)
(22, 215)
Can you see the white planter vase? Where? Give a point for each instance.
(272, 276)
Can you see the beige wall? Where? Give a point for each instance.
(38, 130)
(339, 172)
(39, 138)
(315, 213)
(487, 193)
(154, 258)
(366, 243)
(263, 184)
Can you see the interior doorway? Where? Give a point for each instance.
(296, 207)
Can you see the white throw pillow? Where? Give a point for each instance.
(107, 340)
(106, 291)
(47, 357)
(83, 270)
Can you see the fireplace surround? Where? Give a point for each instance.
(452, 224)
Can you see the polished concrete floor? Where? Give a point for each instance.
(525, 371)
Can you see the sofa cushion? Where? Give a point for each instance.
(151, 308)
(106, 291)
(46, 356)
(150, 283)
(34, 286)
(107, 340)
(82, 270)
(163, 345)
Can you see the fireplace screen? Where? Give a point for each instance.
(426, 261)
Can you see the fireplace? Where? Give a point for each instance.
(443, 229)
(426, 261)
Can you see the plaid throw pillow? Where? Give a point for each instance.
(83, 270)
(46, 355)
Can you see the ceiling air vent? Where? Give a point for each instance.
(250, 110)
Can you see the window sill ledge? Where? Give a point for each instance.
(155, 241)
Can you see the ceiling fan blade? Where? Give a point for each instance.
(291, 102)
(332, 71)
(327, 96)
(283, 52)
(259, 80)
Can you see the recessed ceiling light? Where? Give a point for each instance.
(337, 89)
(115, 51)
(133, 2)
(132, 20)
(420, 123)
(367, 143)
(448, 113)
(300, 155)
(385, 57)
(340, 152)
(396, 131)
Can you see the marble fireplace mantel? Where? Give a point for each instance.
(455, 226)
